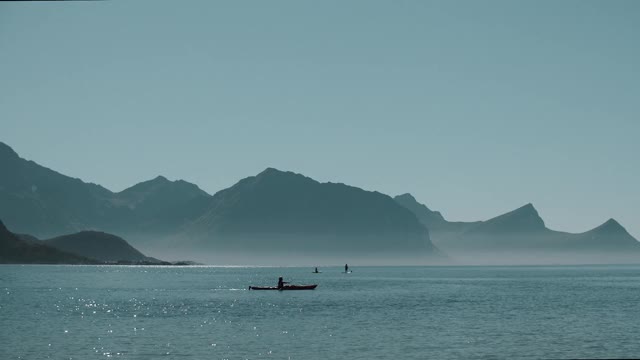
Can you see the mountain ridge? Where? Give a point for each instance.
(97, 245)
(37, 200)
(522, 229)
(15, 250)
(522, 219)
(270, 212)
(276, 211)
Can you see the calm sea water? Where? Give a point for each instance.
(98, 312)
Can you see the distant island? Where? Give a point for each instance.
(16, 249)
(83, 248)
(274, 217)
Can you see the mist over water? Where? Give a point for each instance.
(99, 312)
(301, 259)
(540, 257)
(446, 256)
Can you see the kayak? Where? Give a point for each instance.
(286, 287)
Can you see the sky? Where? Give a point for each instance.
(474, 107)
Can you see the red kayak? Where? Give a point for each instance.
(286, 287)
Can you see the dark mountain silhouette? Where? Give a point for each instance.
(521, 220)
(523, 229)
(520, 230)
(98, 245)
(42, 202)
(161, 205)
(86, 247)
(610, 236)
(284, 212)
(14, 250)
(278, 213)
(433, 220)
(159, 192)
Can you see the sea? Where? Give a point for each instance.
(206, 312)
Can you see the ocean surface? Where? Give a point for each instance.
(144, 312)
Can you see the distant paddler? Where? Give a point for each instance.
(281, 283)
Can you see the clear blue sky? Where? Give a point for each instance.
(475, 107)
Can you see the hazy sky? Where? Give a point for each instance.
(475, 107)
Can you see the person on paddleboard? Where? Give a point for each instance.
(346, 268)
(316, 271)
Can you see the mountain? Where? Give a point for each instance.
(159, 192)
(161, 205)
(277, 212)
(608, 237)
(523, 232)
(45, 203)
(431, 219)
(86, 247)
(524, 219)
(98, 245)
(14, 250)
(40, 201)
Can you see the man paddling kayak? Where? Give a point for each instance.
(281, 283)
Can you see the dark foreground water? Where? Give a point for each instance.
(96, 312)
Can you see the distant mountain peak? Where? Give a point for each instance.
(274, 172)
(405, 196)
(611, 226)
(525, 210)
(7, 151)
(277, 210)
(427, 217)
(522, 219)
(160, 178)
(406, 199)
(273, 175)
(527, 207)
(271, 170)
(162, 184)
(612, 221)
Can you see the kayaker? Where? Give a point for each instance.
(281, 283)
